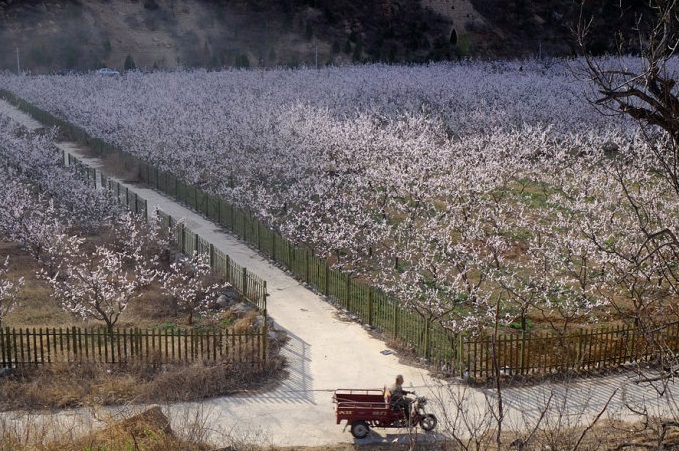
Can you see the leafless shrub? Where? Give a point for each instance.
(550, 416)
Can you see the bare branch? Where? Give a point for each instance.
(593, 423)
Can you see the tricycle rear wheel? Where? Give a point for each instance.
(428, 422)
(360, 429)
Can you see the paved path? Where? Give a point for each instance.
(324, 352)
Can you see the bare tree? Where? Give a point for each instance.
(646, 92)
(644, 88)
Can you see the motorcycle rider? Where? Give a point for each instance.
(398, 398)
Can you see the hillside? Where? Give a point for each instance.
(41, 36)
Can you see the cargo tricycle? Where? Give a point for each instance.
(366, 408)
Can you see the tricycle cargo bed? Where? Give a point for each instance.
(359, 395)
(364, 404)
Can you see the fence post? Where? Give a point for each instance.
(427, 344)
(196, 243)
(633, 333)
(3, 360)
(245, 282)
(523, 351)
(327, 279)
(6, 351)
(370, 306)
(579, 359)
(306, 266)
(460, 365)
(74, 344)
(212, 255)
(35, 346)
(265, 294)
(13, 341)
(273, 245)
(183, 238)
(263, 340)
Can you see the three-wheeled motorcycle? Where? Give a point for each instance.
(366, 408)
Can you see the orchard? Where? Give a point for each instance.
(475, 193)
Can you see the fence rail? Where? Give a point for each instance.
(516, 354)
(19, 347)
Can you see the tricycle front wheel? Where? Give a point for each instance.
(428, 422)
(360, 429)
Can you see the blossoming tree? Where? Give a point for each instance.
(193, 285)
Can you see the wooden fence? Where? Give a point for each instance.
(19, 347)
(583, 350)
(462, 355)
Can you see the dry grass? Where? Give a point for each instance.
(59, 386)
(245, 322)
(37, 308)
(151, 430)
(147, 431)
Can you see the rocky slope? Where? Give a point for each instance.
(41, 36)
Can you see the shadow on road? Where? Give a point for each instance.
(580, 399)
(297, 387)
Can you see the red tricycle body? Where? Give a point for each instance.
(366, 408)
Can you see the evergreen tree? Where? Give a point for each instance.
(129, 63)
